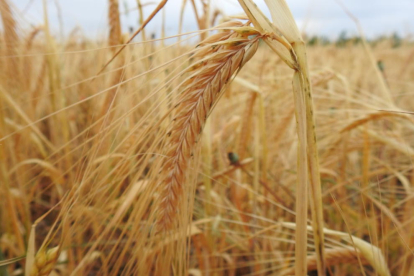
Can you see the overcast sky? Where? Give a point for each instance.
(322, 17)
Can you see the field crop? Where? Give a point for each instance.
(244, 148)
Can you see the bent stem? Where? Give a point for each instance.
(312, 155)
(284, 38)
(301, 185)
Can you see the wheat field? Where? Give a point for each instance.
(243, 148)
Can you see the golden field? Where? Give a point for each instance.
(186, 157)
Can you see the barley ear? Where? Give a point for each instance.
(221, 56)
(45, 261)
(371, 253)
(11, 40)
(114, 24)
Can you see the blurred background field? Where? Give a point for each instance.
(77, 148)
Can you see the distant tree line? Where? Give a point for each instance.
(344, 40)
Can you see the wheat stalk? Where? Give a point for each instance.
(222, 56)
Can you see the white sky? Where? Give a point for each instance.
(323, 17)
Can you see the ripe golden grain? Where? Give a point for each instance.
(44, 262)
(114, 23)
(224, 55)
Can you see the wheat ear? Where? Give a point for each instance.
(222, 55)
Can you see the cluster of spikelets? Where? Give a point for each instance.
(220, 56)
(44, 262)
